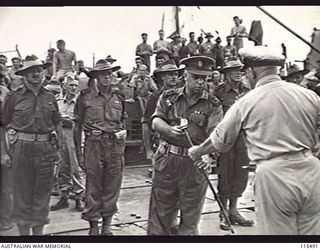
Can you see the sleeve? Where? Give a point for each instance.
(153, 85)
(56, 116)
(150, 108)
(161, 109)
(155, 47)
(6, 111)
(215, 118)
(227, 131)
(138, 50)
(79, 110)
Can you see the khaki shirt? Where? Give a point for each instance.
(276, 117)
(95, 111)
(203, 116)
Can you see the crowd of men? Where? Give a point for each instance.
(63, 132)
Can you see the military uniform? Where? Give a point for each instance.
(30, 120)
(206, 49)
(232, 177)
(176, 180)
(101, 117)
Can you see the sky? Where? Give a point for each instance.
(116, 30)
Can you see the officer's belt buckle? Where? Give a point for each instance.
(177, 150)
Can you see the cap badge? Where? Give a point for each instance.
(200, 64)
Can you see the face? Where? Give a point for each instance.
(80, 64)
(234, 75)
(72, 88)
(297, 78)
(61, 46)
(161, 34)
(144, 38)
(218, 41)
(236, 21)
(192, 36)
(35, 75)
(159, 61)
(170, 79)
(142, 70)
(3, 60)
(228, 39)
(16, 63)
(195, 83)
(215, 78)
(105, 78)
(138, 63)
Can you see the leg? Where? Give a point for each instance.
(164, 194)
(44, 157)
(192, 191)
(94, 171)
(6, 197)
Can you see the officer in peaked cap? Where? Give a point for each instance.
(176, 181)
(287, 176)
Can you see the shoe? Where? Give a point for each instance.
(224, 224)
(79, 206)
(106, 226)
(240, 220)
(94, 229)
(62, 203)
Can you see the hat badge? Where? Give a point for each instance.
(200, 64)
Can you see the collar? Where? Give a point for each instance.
(73, 100)
(25, 89)
(267, 79)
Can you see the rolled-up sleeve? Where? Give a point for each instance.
(214, 118)
(227, 131)
(79, 110)
(161, 109)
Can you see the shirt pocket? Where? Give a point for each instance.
(48, 109)
(199, 118)
(23, 113)
(116, 110)
(94, 113)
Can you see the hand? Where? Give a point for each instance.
(194, 153)
(175, 131)
(5, 160)
(122, 134)
(149, 154)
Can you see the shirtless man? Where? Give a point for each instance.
(62, 61)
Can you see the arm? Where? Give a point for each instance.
(54, 64)
(146, 136)
(77, 131)
(75, 61)
(138, 51)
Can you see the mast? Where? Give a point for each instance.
(177, 18)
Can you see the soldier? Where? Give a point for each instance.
(31, 115)
(218, 53)
(15, 80)
(70, 176)
(295, 74)
(176, 182)
(229, 51)
(281, 137)
(99, 111)
(206, 49)
(193, 46)
(175, 47)
(169, 74)
(232, 178)
(162, 47)
(144, 50)
(238, 32)
(62, 61)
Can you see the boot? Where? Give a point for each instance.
(236, 218)
(94, 229)
(223, 223)
(106, 226)
(24, 230)
(62, 203)
(37, 230)
(79, 206)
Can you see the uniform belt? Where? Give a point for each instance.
(177, 150)
(33, 137)
(289, 156)
(98, 132)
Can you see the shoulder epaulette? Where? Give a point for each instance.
(170, 92)
(85, 91)
(214, 100)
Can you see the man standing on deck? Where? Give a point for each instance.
(162, 47)
(287, 185)
(206, 49)
(33, 123)
(144, 50)
(62, 61)
(15, 80)
(193, 46)
(176, 182)
(99, 111)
